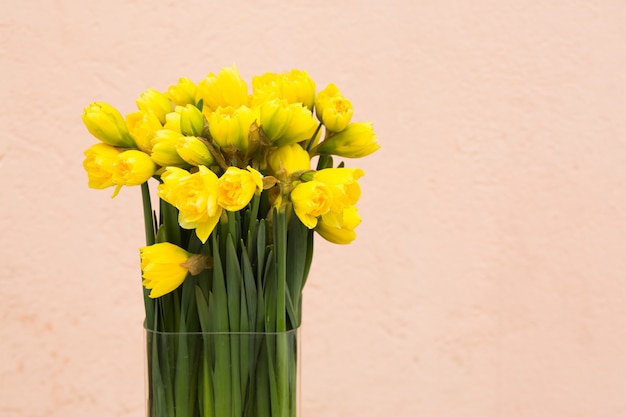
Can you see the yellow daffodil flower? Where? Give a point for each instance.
(106, 123)
(339, 229)
(161, 266)
(195, 197)
(155, 101)
(333, 109)
(285, 123)
(182, 93)
(191, 121)
(227, 88)
(230, 126)
(322, 98)
(142, 126)
(289, 159)
(294, 86)
(98, 163)
(193, 151)
(164, 153)
(165, 267)
(343, 185)
(236, 187)
(355, 141)
(132, 167)
(337, 114)
(311, 200)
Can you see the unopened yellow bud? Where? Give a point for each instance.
(227, 88)
(194, 151)
(164, 152)
(285, 123)
(107, 124)
(355, 141)
(182, 93)
(322, 98)
(289, 159)
(132, 168)
(295, 86)
(230, 126)
(172, 120)
(191, 121)
(153, 100)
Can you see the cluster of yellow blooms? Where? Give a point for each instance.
(212, 145)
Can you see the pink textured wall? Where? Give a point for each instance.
(488, 275)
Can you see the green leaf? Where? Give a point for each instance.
(222, 372)
(203, 310)
(249, 288)
(297, 249)
(233, 282)
(233, 285)
(261, 248)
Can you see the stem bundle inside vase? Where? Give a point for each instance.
(232, 347)
(230, 244)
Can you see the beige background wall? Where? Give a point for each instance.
(488, 277)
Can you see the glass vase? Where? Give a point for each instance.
(222, 374)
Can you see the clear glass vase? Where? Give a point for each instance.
(222, 374)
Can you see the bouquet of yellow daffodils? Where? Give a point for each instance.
(229, 247)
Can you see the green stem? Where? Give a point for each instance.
(282, 354)
(148, 220)
(310, 143)
(281, 267)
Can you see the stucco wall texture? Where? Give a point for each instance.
(487, 278)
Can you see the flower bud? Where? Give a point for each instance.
(285, 123)
(289, 159)
(227, 88)
(295, 86)
(164, 152)
(191, 121)
(193, 151)
(355, 141)
(231, 127)
(107, 124)
(98, 163)
(153, 100)
(133, 168)
(172, 120)
(182, 93)
(322, 98)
